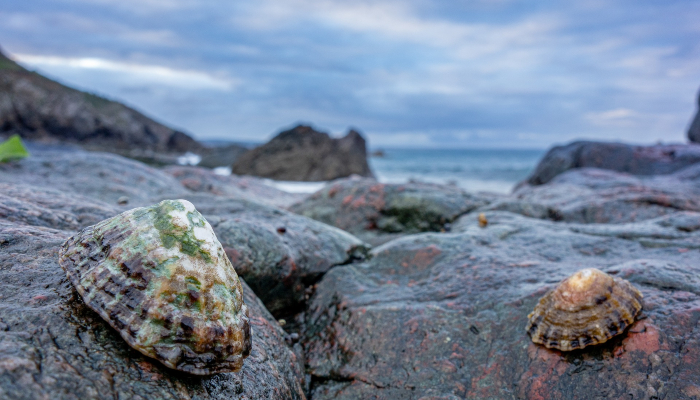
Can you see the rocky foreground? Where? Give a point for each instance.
(437, 311)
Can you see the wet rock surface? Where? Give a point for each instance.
(590, 195)
(377, 212)
(620, 157)
(52, 346)
(444, 315)
(430, 315)
(279, 254)
(50, 208)
(202, 180)
(304, 154)
(105, 177)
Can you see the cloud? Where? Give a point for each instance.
(66, 23)
(399, 20)
(141, 6)
(153, 74)
(477, 73)
(620, 117)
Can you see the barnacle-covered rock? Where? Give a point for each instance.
(587, 308)
(160, 277)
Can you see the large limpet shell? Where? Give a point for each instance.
(159, 276)
(587, 308)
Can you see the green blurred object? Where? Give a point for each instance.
(12, 149)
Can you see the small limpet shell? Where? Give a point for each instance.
(159, 276)
(587, 308)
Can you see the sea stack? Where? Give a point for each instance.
(304, 154)
(694, 130)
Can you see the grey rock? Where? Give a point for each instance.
(202, 180)
(278, 265)
(279, 254)
(101, 176)
(50, 208)
(620, 157)
(590, 195)
(444, 316)
(304, 154)
(52, 346)
(661, 274)
(378, 212)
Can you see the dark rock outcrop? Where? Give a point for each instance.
(304, 154)
(377, 212)
(444, 315)
(694, 129)
(635, 160)
(52, 346)
(40, 109)
(590, 195)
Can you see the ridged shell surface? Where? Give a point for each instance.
(587, 308)
(160, 277)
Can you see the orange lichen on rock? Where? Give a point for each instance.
(587, 308)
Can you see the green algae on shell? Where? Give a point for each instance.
(160, 277)
(587, 308)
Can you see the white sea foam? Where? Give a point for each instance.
(189, 159)
(223, 171)
(296, 187)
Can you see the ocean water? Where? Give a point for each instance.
(489, 170)
(474, 170)
(492, 170)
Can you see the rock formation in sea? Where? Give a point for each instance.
(40, 109)
(694, 129)
(620, 157)
(304, 154)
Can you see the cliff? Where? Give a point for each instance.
(40, 109)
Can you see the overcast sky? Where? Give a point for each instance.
(472, 73)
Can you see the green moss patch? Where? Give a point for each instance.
(172, 235)
(12, 149)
